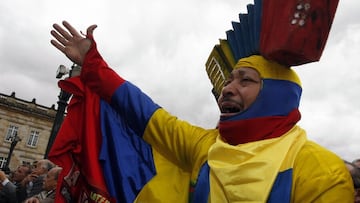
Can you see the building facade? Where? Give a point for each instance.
(30, 124)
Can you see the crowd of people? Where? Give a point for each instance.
(30, 183)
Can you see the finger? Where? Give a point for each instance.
(58, 45)
(63, 32)
(58, 37)
(71, 29)
(90, 29)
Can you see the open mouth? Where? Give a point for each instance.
(229, 108)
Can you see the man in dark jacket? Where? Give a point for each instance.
(47, 195)
(9, 191)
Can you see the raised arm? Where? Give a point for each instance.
(128, 102)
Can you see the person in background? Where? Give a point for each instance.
(20, 173)
(32, 184)
(9, 192)
(356, 162)
(355, 175)
(47, 195)
(257, 154)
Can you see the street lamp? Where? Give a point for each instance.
(14, 140)
(62, 103)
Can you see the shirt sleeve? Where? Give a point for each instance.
(163, 131)
(321, 176)
(97, 75)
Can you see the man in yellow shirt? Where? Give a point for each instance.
(257, 154)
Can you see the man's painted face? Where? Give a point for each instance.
(239, 91)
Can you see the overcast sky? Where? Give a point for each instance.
(162, 47)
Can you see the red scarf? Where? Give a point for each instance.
(250, 130)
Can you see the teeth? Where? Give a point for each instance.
(231, 110)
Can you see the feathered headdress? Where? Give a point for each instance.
(289, 32)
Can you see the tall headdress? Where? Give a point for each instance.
(289, 32)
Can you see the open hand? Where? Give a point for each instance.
(70, 42)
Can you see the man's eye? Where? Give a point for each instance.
(246, 80)
(249, 80)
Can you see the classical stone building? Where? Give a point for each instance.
(30, 122)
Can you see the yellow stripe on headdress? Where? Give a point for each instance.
(219, 65)
(269, 69)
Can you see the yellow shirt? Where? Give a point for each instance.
(180, 150)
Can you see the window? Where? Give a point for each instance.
(11, 133)
(2, 161)
(33, 138)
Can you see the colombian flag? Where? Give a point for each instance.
(103, 158)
